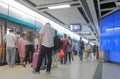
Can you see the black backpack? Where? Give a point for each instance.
(82, 45)
(57, 43)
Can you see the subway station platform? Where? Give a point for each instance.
(90, 69)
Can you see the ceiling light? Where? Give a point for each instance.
(59, 7)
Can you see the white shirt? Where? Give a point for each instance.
(36, 41)
(48, 36)
(10, 40)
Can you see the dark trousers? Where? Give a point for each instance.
(29, 53)
(64, 59)
(43, 52)
(81, 54)
(69, 56)
(94, 52)
(17, 57)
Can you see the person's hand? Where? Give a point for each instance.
(16, 46)
(39, 47)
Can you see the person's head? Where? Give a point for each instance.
(65, 35)
(55, 32)
(80, 38)
(47, 24)
(17, 33)
(30, 36)
(69, 38)
(23, 35)
(11, 31)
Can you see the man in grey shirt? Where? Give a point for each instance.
(10, 39)
(46, 43)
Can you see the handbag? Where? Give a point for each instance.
(61, 53)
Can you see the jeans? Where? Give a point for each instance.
(43, 52)
(64, 58)
(81, 54)
(69, 56)
(10, 55)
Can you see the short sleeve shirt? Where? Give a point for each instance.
(48, 36)
(79, 42)
(10, 40)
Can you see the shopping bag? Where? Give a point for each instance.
(61, 53)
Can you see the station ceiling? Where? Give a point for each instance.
(85, 12)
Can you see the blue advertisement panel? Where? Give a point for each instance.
(110, 35)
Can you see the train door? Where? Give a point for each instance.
(2, 45)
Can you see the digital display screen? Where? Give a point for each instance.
(75, 27)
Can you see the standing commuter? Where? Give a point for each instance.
(17, 58)
(88, 50)
(10, 39)
(94, 49)
(46, 43)
(75, 46)
(69, 49)
(21, 49)
(29, 47)
(81, 48)
(64, 47)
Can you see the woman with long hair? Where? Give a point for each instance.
(21, 48)
(29, 47)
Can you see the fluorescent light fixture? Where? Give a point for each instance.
(59, 7)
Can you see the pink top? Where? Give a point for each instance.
(21, 47)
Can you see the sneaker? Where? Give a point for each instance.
(35, 72)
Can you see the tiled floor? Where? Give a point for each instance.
(111, 71)
(74, 70)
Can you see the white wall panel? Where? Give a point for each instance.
(21, 15)
(3, 8)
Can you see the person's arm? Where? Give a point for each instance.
(42, 32)
(15, 40)
(40, 41)
(69, 43)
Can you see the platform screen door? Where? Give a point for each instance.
(2, 45)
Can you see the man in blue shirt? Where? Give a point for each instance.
(81, 48)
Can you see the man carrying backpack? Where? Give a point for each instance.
(81, 48)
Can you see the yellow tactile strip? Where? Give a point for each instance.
(6, 67)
